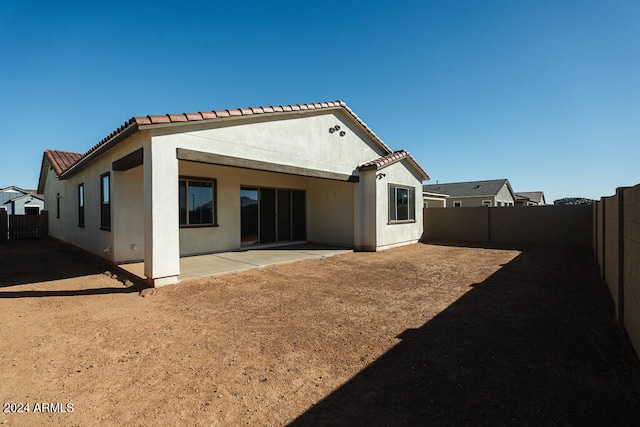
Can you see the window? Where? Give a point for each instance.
(197, 202)
(58, 205)
(31, 210)
(402, 203)
(457, 204)
(486, 203)
(105, 201)
(81, 205)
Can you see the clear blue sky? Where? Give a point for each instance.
(545, 93)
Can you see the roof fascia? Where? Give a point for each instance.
(84, 161)
(44, 168)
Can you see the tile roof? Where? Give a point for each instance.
(389, 159)
(468, 189)
(62, 160)
(132, 125)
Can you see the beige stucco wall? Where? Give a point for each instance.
(329, 207)
(330, 211)
(294, 140)
(470, 202)
(127, 190)
(392, 234)
(433, 202)
(144, 199)
(503, 196)
(125, 205)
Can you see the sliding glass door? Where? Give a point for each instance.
(271, 215)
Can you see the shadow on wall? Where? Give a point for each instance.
(534, 343)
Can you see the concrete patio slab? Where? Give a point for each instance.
(197, 266)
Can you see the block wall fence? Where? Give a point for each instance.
(610, 227)
(538, 225)
(616, 246)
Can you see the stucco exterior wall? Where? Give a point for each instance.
(295, 140)
(393, 234)
(433, 202)
(128, 214)
(229, 181)
(470, 202)
(90, 237)
(504, 196)
(330, 211)
(18, 206)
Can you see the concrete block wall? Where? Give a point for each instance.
(617, 251)
(631, 266)
(456, 224)
(609, 269)
(543, 225)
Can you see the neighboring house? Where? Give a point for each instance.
(530, 198)
(574, 201)
(162, 187)
(434, 200)
(496, 192)
(17, 201)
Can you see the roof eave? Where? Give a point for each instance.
(131, 128)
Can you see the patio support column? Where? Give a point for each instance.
(161, 231)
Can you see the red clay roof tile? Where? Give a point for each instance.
(132, 124)
(389, 159)
(160, 119)
(60, 161)
(177, 118)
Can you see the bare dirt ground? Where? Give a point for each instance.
(417, 335)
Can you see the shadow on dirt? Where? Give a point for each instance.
(39, 261)
(535, 343)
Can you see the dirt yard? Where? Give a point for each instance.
(417, 335)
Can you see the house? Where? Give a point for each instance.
(530, 198)
(496, 192)
(18, 201)
(162, 187)
(434, 200)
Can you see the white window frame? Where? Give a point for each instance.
(486, 203)
(457, 203)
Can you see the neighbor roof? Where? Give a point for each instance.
(534, 196)
(68, 162)
(470, 188)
